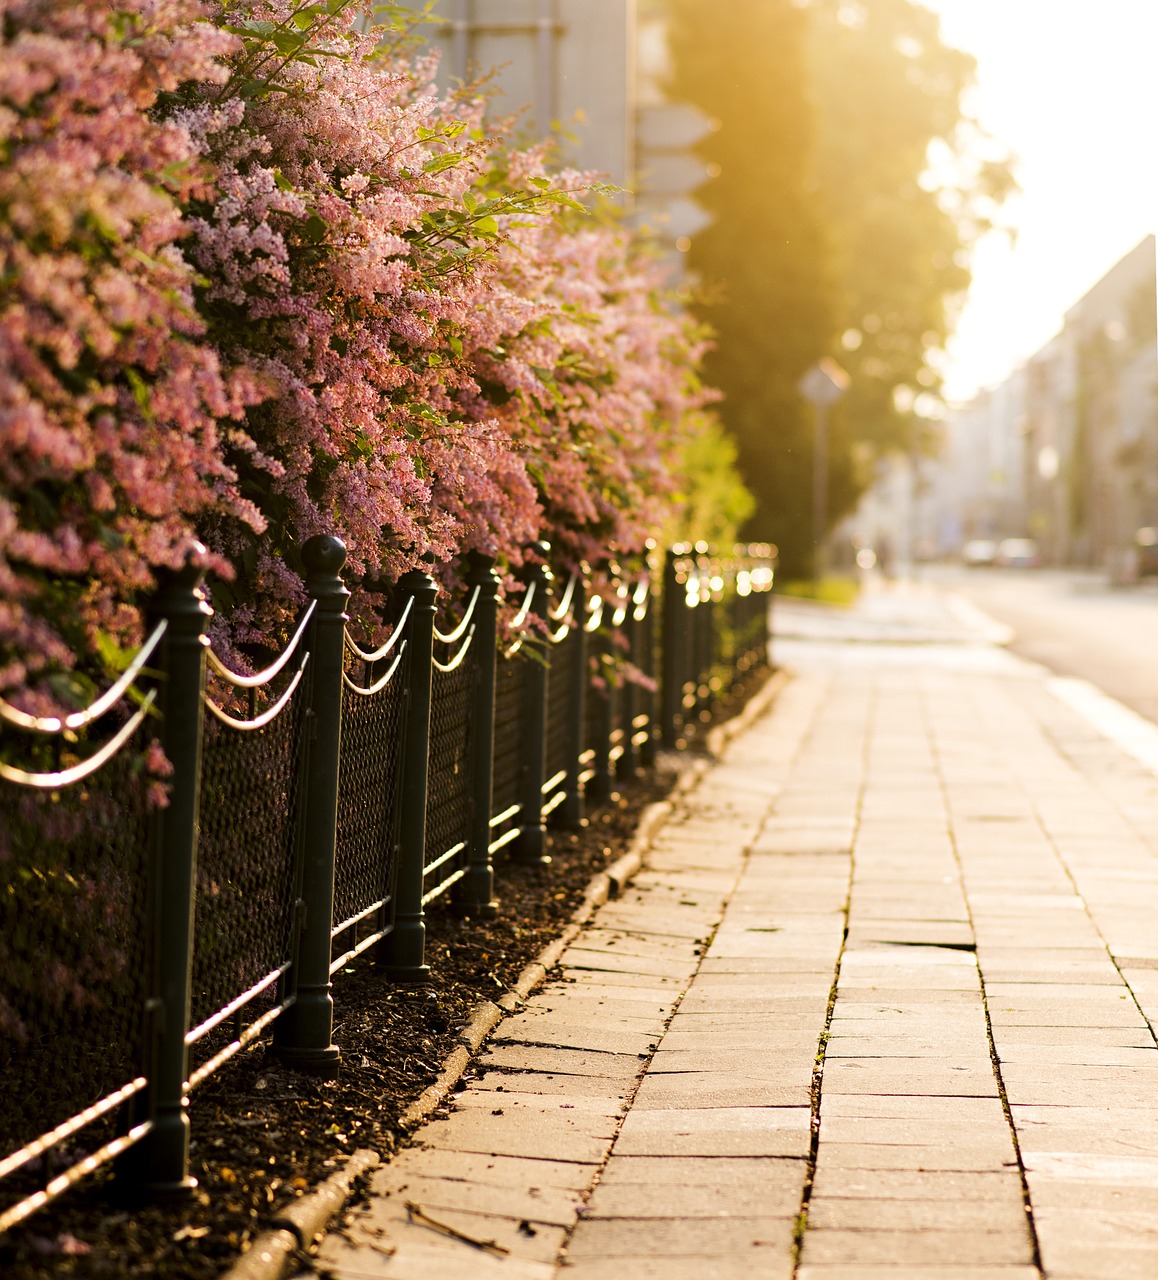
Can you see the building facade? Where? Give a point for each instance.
(1065, 450)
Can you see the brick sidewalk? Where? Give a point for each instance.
(877, 1008)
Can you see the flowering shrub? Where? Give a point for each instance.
(110, 400)
(399, 330)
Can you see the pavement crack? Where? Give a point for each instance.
(816, 1085)
(994, 1059)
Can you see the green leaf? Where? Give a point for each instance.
(487, 227)
(288, 41)
(315, 228)
(436, 164)
(140, 391)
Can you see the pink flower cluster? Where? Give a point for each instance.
(110, 399)
(256, 296)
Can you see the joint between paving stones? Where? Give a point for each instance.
(994, 1059)
(816, 1085)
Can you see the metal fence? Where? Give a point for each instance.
(311, 812)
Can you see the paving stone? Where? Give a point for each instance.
(759, 993)
(1058, 1084)
(552, 1205)
(779, 1175)
(914, 1077)
(998, 1189)
(553, 1031)
(933, 1109)
(415, 1253)
(689, 1237)
(637, 942)
(546, 1084)
(930, 1248)
(513, 1100)
(642, 1018)
(736, 1131)
(1077, 1260)
(548, 1058)
(914, 1158)
(717, 1089)
(864, 1214)
(732, 1266)
(657, 993)
(761, 1041)
(1122, 1169)
(605, 961)
(665, 1200)
(910, 1044)
(523, 1239)
(570, 1136)
(773, 1055)
(525, 1172)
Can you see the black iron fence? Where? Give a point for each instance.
(311, 812)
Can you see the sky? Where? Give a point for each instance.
(1071, 87)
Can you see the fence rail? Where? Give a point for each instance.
(312, 812)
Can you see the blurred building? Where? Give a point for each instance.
(1065, 450)
(592, 73)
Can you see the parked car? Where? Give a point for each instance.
(1017, 553)
(979, 552)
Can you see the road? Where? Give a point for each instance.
(1073, 623)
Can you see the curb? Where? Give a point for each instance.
(302, 1223)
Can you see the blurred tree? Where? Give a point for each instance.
(908, 184)
(851, 189)
(762, 261)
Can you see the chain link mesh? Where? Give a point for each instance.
(250, 784)
(560, 688)
(73, 967)
(369, 774)
(510, 687)
(449, 802)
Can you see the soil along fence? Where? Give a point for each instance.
(311, 812)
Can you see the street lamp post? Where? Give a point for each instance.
(822, 386)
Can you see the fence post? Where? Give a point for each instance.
(158, 1165)
(402, 953)
(571, 810)
(674, 640)
(475, 891)
(532, 843)
(301, 1035)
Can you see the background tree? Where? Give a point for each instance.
(852, 188)
(763, 260)
(908, 183)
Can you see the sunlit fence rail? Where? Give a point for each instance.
(308, 813)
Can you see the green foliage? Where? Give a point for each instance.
(714, 503)
(908, 185)
(831, 589)
(851, 190)
(763, 262)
